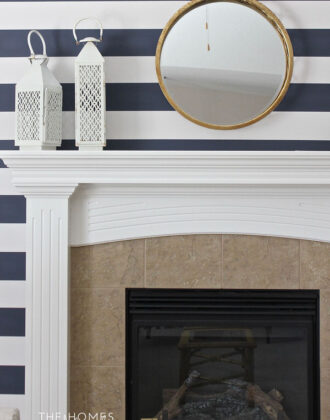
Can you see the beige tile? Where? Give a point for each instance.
(97, 327)
(80, 266)
(325, 392)
(98, 390)
(325, 328)
(184, 261)
(257, 262)
(115, 264)
(315, 265)
(118, 264)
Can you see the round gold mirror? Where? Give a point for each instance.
(224, 64)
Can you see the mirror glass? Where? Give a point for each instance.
(223, 64)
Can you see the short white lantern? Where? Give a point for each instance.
(38, 104)
(90, 93)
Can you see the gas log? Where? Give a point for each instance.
(240, 395)
(269, 403)
(173, 408)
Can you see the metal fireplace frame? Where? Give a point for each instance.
(147, 307)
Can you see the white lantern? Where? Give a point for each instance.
(90, 94)
(38, 104)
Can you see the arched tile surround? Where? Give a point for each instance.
(100, 274)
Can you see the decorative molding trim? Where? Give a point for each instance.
(169, 167)
(112, 213)
(47, 305)
(42, 190)
(125, 195)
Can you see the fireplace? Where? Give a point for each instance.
(222, 354)
(232, 220)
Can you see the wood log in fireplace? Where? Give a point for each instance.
(276, 394)
(270, 405)
(172, 408)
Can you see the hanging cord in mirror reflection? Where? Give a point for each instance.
(207, 28)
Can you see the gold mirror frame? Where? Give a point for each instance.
(272, 19)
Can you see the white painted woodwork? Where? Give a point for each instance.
(124, 195)
(47, 309)
(47, 296)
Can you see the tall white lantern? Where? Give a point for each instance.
(90, 93)
(38, 104)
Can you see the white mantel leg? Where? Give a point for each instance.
(47, 309)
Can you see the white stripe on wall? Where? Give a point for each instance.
(143, 14)
(311, 70)
(112, 14)
(118, 69)
(12, 294)
(12, 237)
(6, 186)
(12, 351)
(16, 401)
(142, 69)
(171, 125)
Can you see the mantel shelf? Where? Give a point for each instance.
(168, 168)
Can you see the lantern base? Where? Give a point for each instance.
(91, 147)
(26, 148)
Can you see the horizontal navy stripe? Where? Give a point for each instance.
(119, 97)
(149, 97)
(12, 322)
(8, 145)
(60, 43)
(229, 145)
(306, 98)
(12, 380)
(200, 145)
(140, 42)
(310, 42)
(12, 209)
(12, 266)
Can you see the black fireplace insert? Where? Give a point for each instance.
(222, 355)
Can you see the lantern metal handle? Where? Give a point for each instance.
(34, 56)
(88, 38)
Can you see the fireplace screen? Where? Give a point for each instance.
(222, 355)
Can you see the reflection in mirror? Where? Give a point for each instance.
(223, 64)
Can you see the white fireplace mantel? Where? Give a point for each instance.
(77, 198)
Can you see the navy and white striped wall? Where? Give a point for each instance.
(138, 116)
(12, 294)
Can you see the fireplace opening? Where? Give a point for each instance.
(222, 355)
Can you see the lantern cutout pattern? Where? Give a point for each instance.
(38, 109)
(90, 93)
